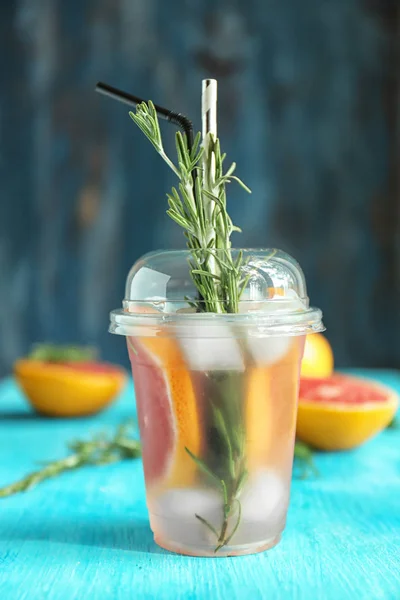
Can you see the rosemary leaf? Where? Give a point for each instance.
(224, 492)
(206, 274)
(195, 147)
(178, 219)
(234, 530)
(230, 171)
(242, 479)
(202, 465)
(207, 524)
(240, 182)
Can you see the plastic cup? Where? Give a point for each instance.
(216, 399)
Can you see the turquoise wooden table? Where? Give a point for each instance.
(85, 536)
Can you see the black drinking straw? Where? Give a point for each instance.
(168, 115)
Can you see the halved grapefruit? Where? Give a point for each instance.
(342, 412)
(69, 389)
(168, 414)
(318, 357)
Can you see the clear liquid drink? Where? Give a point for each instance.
(216, 398)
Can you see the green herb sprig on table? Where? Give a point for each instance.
(304, 460)
(101, 450)
(394, 423)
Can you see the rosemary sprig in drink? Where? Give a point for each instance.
(225, 465)
(198, 205)
(230, 489)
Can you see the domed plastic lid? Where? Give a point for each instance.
(160, 294)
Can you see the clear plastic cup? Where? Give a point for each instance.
(216, 397)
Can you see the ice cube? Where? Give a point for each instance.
(290, 302)
(263, 511)
(185, 502)
(265, 349)
(268, 350)
(264, 504)
(264, 498)
(210, 347)
(173, 515)
(148, 283)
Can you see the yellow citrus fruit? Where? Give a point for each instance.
(341, 412)
(69, 389)
(318, 357)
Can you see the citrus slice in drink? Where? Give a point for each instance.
(285, 375)
(258, 414)
(342, 412)
(271, 404)
(168, 413)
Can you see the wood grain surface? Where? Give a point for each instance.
(85, 536)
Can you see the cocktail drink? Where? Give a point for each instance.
(215, 338)
(217, 400)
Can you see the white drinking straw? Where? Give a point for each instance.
(209, 107)
(209, 126)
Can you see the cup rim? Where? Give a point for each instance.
(209, 325)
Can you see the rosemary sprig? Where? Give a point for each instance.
(225, 466)
(198, 205)
(98, 451)
(230, 490)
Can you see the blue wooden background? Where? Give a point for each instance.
(308, 109)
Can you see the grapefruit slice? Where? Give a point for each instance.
(342, 412)
(168, 413)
